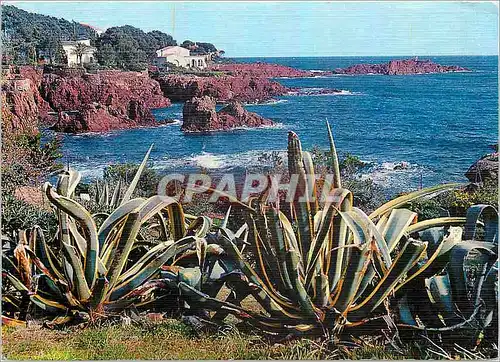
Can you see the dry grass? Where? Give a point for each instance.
(171, 339)
(166, 340)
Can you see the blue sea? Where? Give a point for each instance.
(439, 124)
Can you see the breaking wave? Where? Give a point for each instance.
(323, 92)
(391, 176)
(268, 103)
(399, 175)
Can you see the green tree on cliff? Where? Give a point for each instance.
(32, 34)
(106, 56)
(60, 55)
(130, 48)
(79, 51)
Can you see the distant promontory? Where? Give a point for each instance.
(400, 67)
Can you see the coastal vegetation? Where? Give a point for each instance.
(26, 36)
(116, 269)
(348, 273)
(29, 38)
(130, 48)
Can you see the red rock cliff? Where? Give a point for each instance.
(103, 101)
(81, 102)
(23, 105)
(259, 69)
(242, 88)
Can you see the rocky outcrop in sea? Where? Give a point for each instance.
(199, 115)
(400, 67)
(483, 170)
(71, 100)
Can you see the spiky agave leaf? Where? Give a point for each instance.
(302, 202)
(131, 188)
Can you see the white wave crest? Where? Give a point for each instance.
(318, 92)
(396, 175)
(173, 123)
(208, 160)
(268, 103)
(267, 126)
(222, 161)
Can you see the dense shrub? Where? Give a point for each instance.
(125, 172)
(456, 202)
(367, 194)
(130, 48)
(26, 36)
(19, 215)
(26, 160)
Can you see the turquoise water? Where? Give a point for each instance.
(438, 123)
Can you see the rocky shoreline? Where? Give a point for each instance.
(77, 102)
(72, 101)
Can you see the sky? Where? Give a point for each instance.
(303, 28)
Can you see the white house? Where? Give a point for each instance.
(88, 55)
(180, 57)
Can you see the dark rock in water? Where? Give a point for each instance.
(484, 169)
(199, 115)
(403, 165)
(401, 67)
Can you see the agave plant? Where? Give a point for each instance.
(462, 282)
(110, 196)
(88, 269)
(325, 266)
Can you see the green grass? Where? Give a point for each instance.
(171, 339)
(166, 340)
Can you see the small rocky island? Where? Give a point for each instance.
(199, 115)
(401, 67)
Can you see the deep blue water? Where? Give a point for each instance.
(438, 123)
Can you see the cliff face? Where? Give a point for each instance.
(23, 105)
(19, 110)
(81, 102)
(102, 102)
(242, 88)
(400, 67)
(199, 115)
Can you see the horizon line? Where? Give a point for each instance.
(361, 55)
